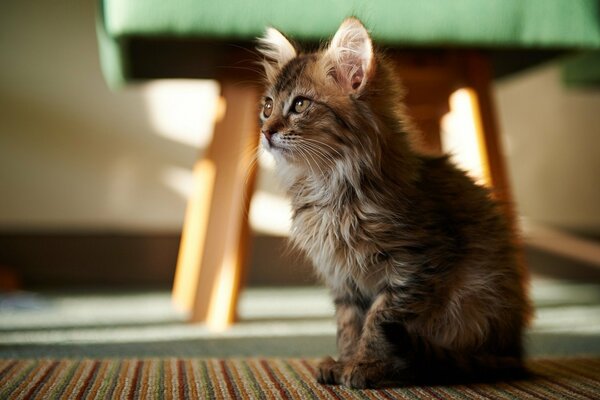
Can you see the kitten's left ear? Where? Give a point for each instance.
(277, 51)
(351, 53)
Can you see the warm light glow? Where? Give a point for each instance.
(270, 214)
(193, 235)
(220, 109)
(180, 180)
(183, 110)
(219, 315)
(459, 134)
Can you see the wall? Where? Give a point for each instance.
(552, 138)
(74, 155)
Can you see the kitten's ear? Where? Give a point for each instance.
(351, 53)
(277, 51)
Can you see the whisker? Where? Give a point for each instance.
(304, 152)
(324, 144)
(307, 149)
(314, 151)
(320, 152)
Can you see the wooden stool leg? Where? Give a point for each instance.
(478, 77)
(215, 233)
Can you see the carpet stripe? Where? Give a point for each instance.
(283, 392)
(6, 368)
(51, 383)
(119, 380)
(456, 394)
(48, 380)
(292, 386)
(406, 395)
(580, 372)
(47, 389)
(74, 380)
(35, 385)
(96, 390)
(67, 376)
(244, 389)
(145, 375)
(19, 375)
(584, 388)
(179, 391)
(475, 393)
(552, 371)
(567, 391)
(224, 384)
(161, 379)
(306, 389)
(532, 393)
(123, 383)
(250, 379)
(232, 391)
(85, 387)
(206, 382)
(217, 380)
(29, 379)
(258, 393)
(170, 379)
(189, 371)
(260, 375)
(134, 392)
(242, 385)
(111, 381)
(182, 383)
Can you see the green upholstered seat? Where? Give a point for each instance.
(532, 24)
(425, 22)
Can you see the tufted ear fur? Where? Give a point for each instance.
(351, 55)
(277, 51)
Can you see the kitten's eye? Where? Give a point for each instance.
(300, 104)
(268, 108)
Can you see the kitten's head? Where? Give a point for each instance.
(324, 106)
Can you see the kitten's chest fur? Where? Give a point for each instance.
(333, 228)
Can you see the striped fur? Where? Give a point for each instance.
(421, 261)
(577, 378)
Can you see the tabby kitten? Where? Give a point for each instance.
(420, 260)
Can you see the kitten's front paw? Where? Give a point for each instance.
(329, 371)
(354, 376)
(363, 374)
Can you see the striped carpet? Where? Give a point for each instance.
(571, 378)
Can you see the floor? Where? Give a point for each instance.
(283, 322)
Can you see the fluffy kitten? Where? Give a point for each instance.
(421, 262)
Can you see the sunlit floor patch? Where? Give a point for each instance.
(275, 321)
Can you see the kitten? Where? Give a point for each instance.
(420, 260)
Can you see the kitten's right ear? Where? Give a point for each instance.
(277, 51)
(351, 55)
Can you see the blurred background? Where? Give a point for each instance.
(94, 183)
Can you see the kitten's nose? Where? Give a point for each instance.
(268, 134)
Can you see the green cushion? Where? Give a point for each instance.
(423, 22)
(556, 24)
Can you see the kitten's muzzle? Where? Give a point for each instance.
(268, 134)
